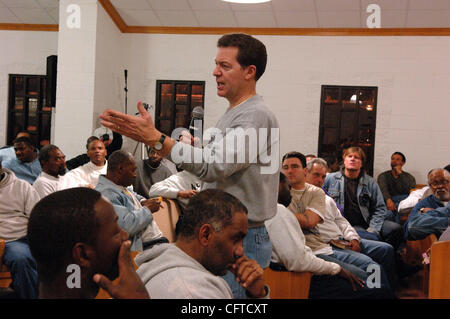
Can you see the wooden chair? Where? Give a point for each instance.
(414, 255)
(287, 284)
(439, 279)
(5, 275)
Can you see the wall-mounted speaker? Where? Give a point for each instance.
(52, 62)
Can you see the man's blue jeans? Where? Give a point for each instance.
(372, 252)
(23, 268)
(257, 246)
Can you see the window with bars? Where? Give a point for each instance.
(347, 118)
(175, 101)
(27, 109)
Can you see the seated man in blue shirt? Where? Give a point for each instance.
(134, 211)
(26, 165)
(431, 214)
(7, 152)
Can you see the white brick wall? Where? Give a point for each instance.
(412, 75)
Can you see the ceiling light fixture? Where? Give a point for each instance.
(247, 1)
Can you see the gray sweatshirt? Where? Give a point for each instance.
(252, 173)
(169, 273)
(17, 199)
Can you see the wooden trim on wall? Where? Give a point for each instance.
(120, 23)
(115, 16)
(29, 27)
(295, 31)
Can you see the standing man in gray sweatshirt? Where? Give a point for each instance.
(248, 168)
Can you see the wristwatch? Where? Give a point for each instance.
(159, 145)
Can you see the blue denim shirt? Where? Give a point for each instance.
(434, 221)
(430, 202)
(26, 171)
(132, 220)
(370, 198)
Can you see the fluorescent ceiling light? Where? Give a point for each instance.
(247, 1)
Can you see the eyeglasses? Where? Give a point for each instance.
(443, 182)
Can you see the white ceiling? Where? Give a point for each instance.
(274, 14)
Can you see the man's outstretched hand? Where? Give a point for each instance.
(129, 285)
(139, 128)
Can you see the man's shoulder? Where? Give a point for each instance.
(11, 162)
(313, 189)
(384, 174)
(333, 176)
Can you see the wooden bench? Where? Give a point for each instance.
(414, 255)
(439, 279)
(5, 275)
(287, 284)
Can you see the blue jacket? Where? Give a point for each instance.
(132, 220)
(370, 198)
(25, 171)
(431, 202)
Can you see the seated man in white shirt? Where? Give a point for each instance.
(180, 186)
(88, 174)
(335, 229)
(53, 163)
(290, 252)
(17, 198)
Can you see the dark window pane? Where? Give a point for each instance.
(367, 96)
(329, 136)
(366, 115)
(19, 85)
(348, 119)
(165, 126)
(181, 121)
(18, 103)
(331, 96)
(44, 133)
(331, 115)
(182, 92)
(196, 95)
(346, 137)
(349, 98)
(166, 101)
(33, 86)
(19, 120)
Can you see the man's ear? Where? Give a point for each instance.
(250, 72)
(205, 234)
(83, 255)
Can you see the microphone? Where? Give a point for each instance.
(197, 115)
(195, 127)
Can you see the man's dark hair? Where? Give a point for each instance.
(57, 222)
(447, 168)
(118, 157)
(401, 154)
(298, 155)
(211, 206)
(26, 140)
(44, 153)
(251, 51)
(90, 140)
